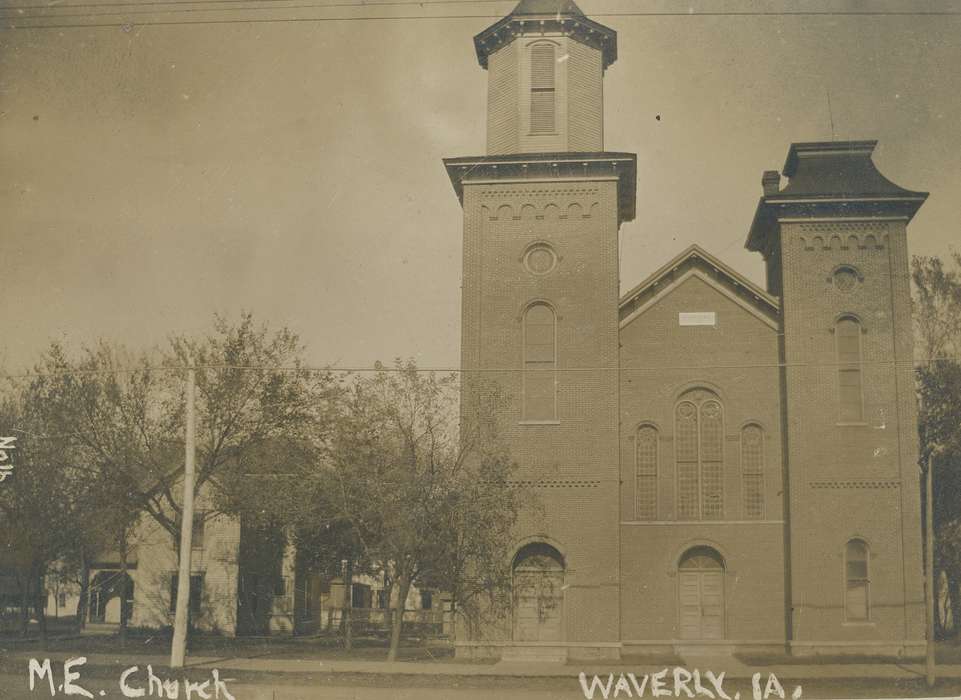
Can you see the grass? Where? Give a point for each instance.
(157, 643)
(946, 652)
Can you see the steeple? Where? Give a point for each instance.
(546, 63)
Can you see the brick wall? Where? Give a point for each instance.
(858, 479)
(736, 359)
(573, 463)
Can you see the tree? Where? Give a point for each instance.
(426, 487)
(42, 503)
(937, 317)
(123, 415)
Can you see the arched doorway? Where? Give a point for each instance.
(538, 582)
(700, 594)
(105, 590)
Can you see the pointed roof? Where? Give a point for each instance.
(547, 7)
(836, 168)
(695, 259)
(833, 179)
(541, 16)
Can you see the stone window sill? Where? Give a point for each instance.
(539, 422)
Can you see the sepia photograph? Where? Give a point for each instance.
(468, 349)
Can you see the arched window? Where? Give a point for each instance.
(539, 363)
(857, 602)
(699, 450)
(752, 470)
(645, 456)
(542, 89)
(848, 332)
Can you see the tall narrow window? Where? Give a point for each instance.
(848, 333)
(856, 599)
(539, 363)
(712, 461)
(542, 89)
(699, 452)
(688, 471)
(752, 471)
(645, 451)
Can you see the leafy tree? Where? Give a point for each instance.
(937, 316)
(122, 416)
(42, 505)
(426, 487)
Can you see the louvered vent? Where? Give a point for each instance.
(542, 89)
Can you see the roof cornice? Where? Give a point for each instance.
(583, 29)
(550, 166)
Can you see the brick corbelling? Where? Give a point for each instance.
(556, 483)
(857, 484)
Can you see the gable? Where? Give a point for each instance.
(694, 300)
(695, 263)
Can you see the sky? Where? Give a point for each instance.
(169, 165)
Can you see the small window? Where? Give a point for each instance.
(752, 471)
(426, 600)
(63, 600)
(542, 89)
(304, 594)
(196, 591)
(645, 455)
(280, 585)
(857, 603)
(848, 332)
(539, 363)
(197, 534)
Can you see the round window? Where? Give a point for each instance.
(845, 279)
(540, 259)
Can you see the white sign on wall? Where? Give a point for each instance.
(697, 318)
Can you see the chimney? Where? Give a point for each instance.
(771, 182)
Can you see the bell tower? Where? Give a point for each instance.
(545, 63)
(542, 212)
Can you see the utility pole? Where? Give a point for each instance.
(930, 584)
(929, 565)
(179, 645)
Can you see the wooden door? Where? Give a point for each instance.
(689, 599)
(537, 606)
(700, 597)
(712, 605)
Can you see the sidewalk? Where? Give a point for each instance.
(732, 667)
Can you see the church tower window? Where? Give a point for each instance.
(856, 599)
(645, 452)
(752, 471)
(699, 437)
(543, 101)
(848, 336)
(540, 361)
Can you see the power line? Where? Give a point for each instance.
(389, 18)
(223, 9)
(476, 370)
(141, 3)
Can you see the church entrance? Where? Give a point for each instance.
(538, 581)
(700, 583)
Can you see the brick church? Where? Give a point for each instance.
(718, 464)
